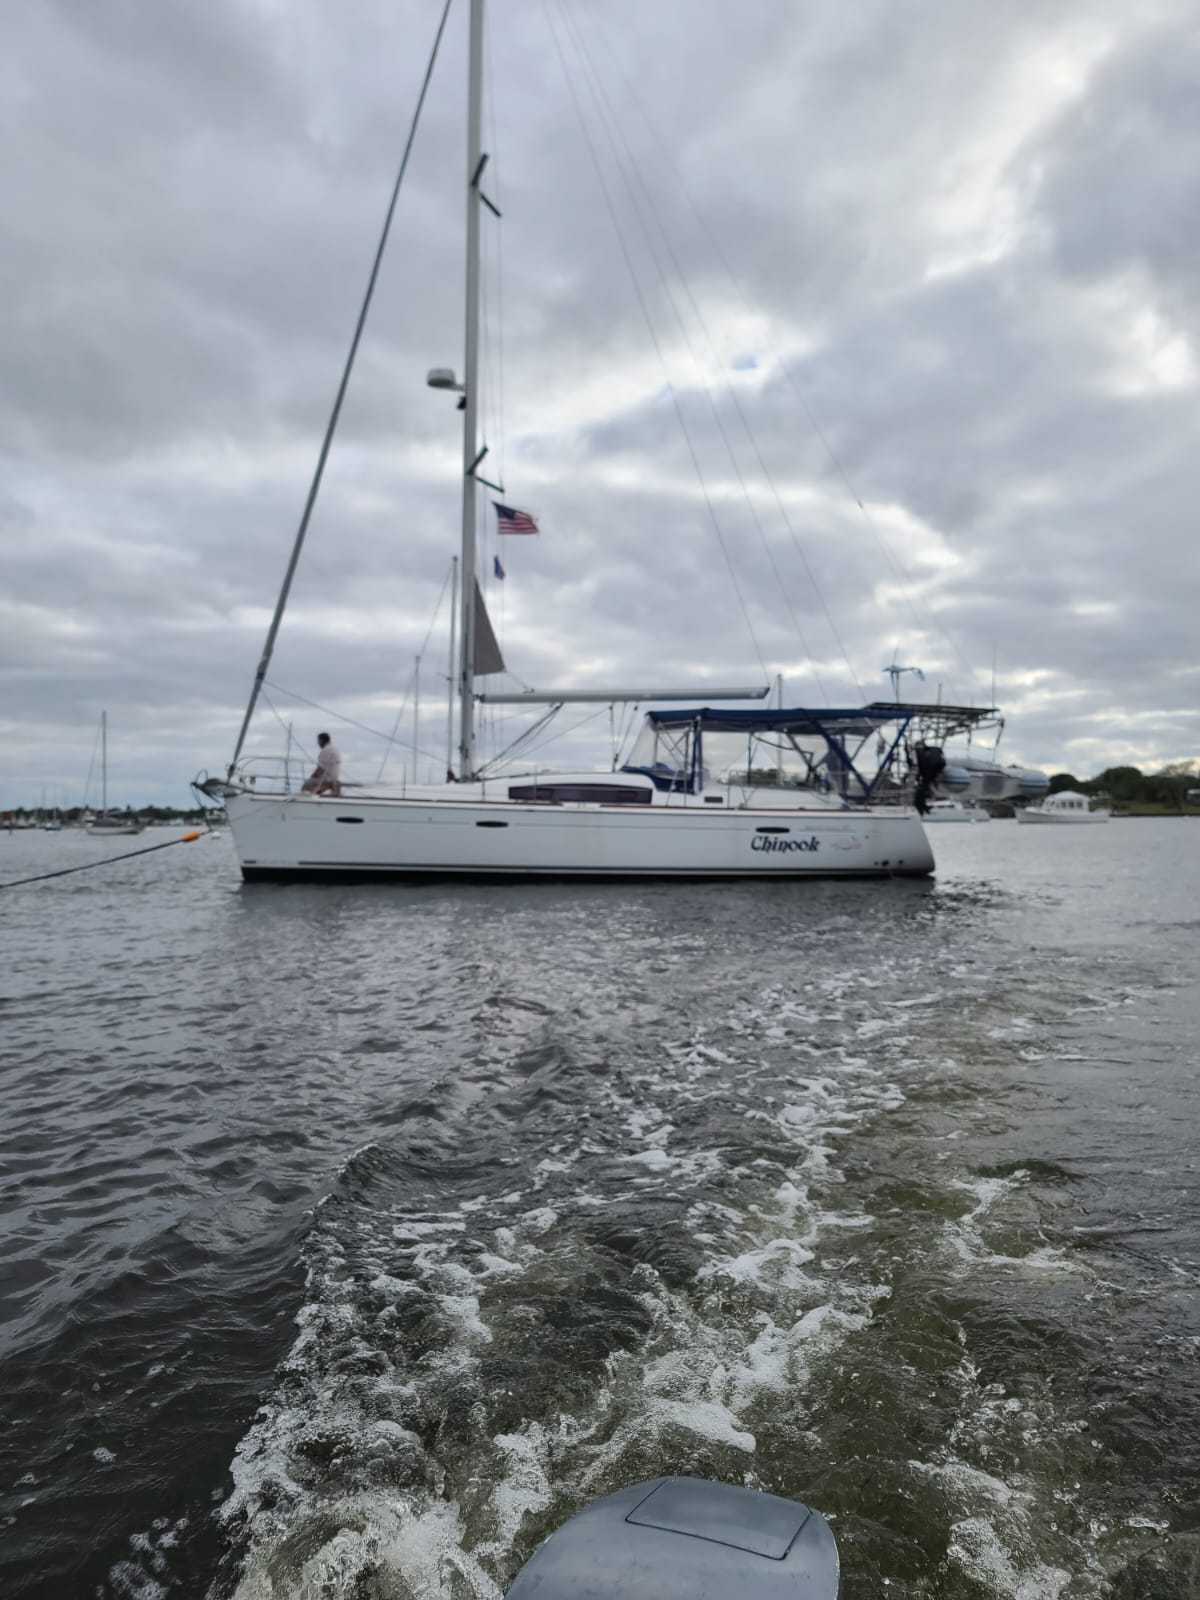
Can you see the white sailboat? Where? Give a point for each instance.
(110, 824)
(668, 814)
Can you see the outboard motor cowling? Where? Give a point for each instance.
(685, 1539)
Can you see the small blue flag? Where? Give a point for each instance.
(496, 567)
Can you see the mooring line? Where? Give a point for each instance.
(185, 838)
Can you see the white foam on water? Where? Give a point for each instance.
(977, 1551)
(346, 1482)
(492, 1266)
(547, 1166)
(523, 1488)
(421, 1548)
(777, 1265)
(708, 1419)
(645, 1122)
(966, 1241)
(424, 1230)
(655, 1158)
(146, 1575)
(994, 1540)
(692, 1165)
(131, 1583)
(974, 1484)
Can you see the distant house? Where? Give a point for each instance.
(1192, 796)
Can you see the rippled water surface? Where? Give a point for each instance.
(354, 1238)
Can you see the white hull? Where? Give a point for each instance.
(1063, 819)
(286, 837)
(115, 830)
(1067, 808)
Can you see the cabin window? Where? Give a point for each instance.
(595, 794)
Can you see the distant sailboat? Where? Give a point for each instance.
(107, 823)
(48, 821)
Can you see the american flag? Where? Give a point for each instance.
(510, 521)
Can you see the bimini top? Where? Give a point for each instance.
(780, 719)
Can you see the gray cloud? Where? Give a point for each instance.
(948, 255)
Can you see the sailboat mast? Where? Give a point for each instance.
(467, 586)
(103, 763)
(450, 667)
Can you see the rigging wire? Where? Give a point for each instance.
(565, 733)
(505, 757)
(87, 786)
(351, 722)
(287, 728)
(630, 167)
(331, 427)
(671, 390)
(412, 675)
(898, 569)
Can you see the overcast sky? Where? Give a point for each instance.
(816, 335)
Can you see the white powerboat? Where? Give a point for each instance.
(1066, 808)
(955, 811)
(662, 817)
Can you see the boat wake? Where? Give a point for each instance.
(489, 1342)
(698, 1268)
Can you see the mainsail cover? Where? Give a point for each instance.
(488, 659)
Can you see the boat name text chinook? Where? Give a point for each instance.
(765, 842)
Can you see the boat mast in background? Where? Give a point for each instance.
(416, 761)
(450, 668)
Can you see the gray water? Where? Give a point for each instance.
(353, 1238)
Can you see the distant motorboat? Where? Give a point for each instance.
(955, 811)
(1067, 807)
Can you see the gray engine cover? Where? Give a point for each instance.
(685, 1539)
